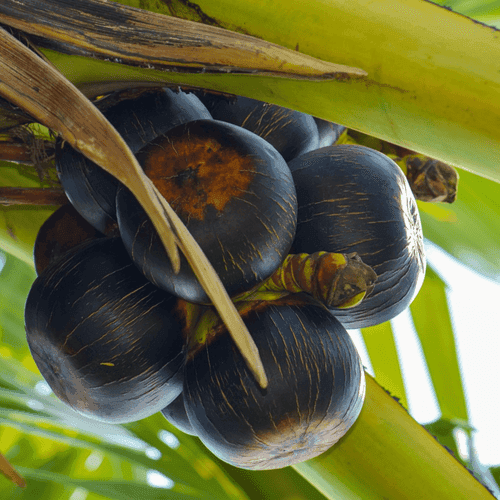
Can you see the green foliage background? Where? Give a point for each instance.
(65, 456)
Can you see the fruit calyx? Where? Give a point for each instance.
(334, 279)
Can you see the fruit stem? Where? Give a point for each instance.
(335, 279)
(32, 196)
(10, 473)
(14, 151)
(25, 148)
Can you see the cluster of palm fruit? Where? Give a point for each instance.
(308, 237)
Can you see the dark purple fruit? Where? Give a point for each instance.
(315, 392)
(355, 199)
(62, 231)
(108, 343)
(292, 133)
(235, 194)
(91, 190)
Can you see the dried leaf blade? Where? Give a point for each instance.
(112, 31)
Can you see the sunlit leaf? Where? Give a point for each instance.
(115, 489)
(433, 325)
(49, 436)
(386, 454)
(427, 88)
(381, 347)
(486, 11)
(283, 484)
(443, 430)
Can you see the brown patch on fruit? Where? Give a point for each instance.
(62, 231)
(286, 424)
(193, 171)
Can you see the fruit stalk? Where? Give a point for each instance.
(32, 196)
(10, 473)
(17, 152)
(335, 279)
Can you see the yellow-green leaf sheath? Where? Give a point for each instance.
(433, 83)
(388, 455)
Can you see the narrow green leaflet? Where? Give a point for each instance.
(111, 488)
(495, 472)
(47, 437)
(48, 429)
(283, 484)
(43, 427)
(381, 347)
(432, 321)
(486, 11)
(16, 279)
(156, 431)
(443, 430)
(433, 325)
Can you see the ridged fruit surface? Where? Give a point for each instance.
(292, 133)
(355, 199)
(108, 343)
(315, 392)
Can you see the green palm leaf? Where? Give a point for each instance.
(381, 346)
(432, 322)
